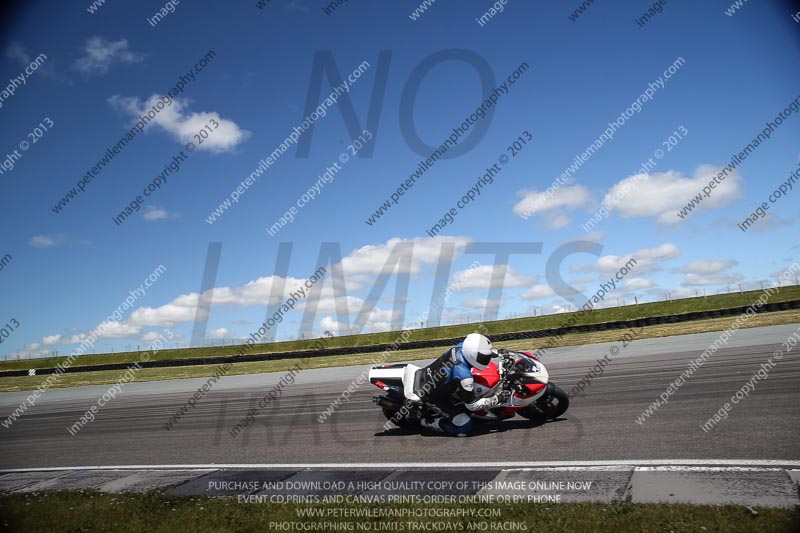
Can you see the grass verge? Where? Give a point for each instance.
(12, 384)
(86, 511)
(647, 310)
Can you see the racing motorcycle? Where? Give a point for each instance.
(531, 393)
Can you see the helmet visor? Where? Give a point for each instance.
(484, 358)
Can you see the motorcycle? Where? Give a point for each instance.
(531, 394)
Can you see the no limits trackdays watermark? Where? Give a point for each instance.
(320, 112)
(487, 179)
(128, 376)
(325, 178)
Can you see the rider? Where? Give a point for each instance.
(451, 375)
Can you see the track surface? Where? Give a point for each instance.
(600, 425)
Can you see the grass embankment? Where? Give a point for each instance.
(11, 384)
(647, 310)
(81, 511)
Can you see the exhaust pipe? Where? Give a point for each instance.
(385, 401)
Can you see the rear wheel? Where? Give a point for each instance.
(548, 408)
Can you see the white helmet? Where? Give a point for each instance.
(477, 350)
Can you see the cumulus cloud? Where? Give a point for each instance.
(636, 284)
(152, 214)
(329, 324)
(711, 279)
(219, 333)
(117, 330)
(151, 336)
(382, 320)
(365, 262)
(176, 120)
(539, 292)
(552, 208)
(662, 194)
(708, 266)
(49, 340)
(481, 277)
(371, 259)
(41, 241)
(19, 54)
(481, 303)
(647, 259)
(327, 303)
(100, 54)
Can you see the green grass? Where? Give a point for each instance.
(87, 511)
(77, 379)
(686, 305)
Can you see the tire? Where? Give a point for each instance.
(548, 408)
(401, 422)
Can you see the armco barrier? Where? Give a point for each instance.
(603, 326)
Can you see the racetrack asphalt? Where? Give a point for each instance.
(599, 425)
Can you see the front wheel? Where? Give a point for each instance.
(548, 408)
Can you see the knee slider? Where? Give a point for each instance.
(461, 419)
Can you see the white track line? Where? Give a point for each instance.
(564, 465)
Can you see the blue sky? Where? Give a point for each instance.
(70, 270)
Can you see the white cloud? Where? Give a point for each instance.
(256, 292)
(182, 125)
(636, 284)
(371, 259)
(661, 195)
(181, 309)
(382, 320)
(151, 336)
(711, 279)
(19, 53)
(100, 54)
(583, 280)
(769, 222)
(708, 266)
(647, 259)
(367, 260)
(117, 330)
(77, 338)
(329, 324)
(481, 278)
(327, 304)
(156, 213)
(219, 333)
(582, 269)
(552, 208)
(481, 303)
(41, 241)
(31, 347)
(594, 236)
(539, 292)
(676, 293)
(49, 340)
(558, 221)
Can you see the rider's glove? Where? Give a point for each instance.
(489, 403)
